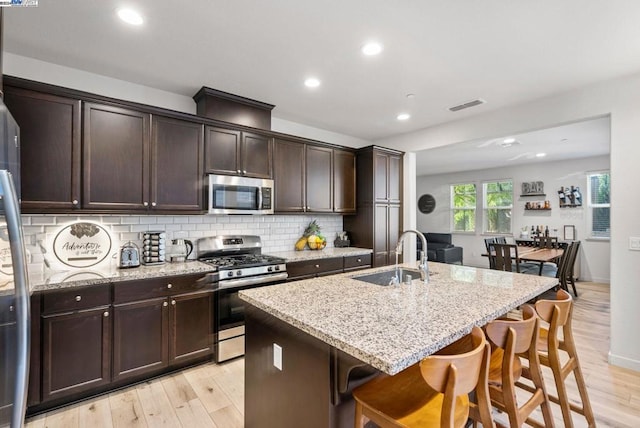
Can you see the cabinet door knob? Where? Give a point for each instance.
(78, 298)
(165, 304)
(238, 171)
(173, 302)
(317, 266)
(169, 285)
(244, 171)
(74, 202)
(11, 308)
(359, 260)
(153, 204)
(105, 314)
(146, 204)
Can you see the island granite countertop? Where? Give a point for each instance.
(55, 280)
(393, 327)
(296, 256)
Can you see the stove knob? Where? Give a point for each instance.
(229, 274)
(238, 273)
(277, 268)
(269, 269)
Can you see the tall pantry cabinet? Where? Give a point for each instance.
(378, 221)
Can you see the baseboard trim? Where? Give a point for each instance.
(624, 362)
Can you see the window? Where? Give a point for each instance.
(463, 208)
(598, 204)
(497, 201)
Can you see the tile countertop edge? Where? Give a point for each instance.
(396, 365)
(327, 253)
(107, 276)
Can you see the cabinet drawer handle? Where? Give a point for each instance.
(173, 302)
(359, 260)
(153, 204)
(78, 298)
(317, 266)
(105, 314)
(169, 285)
(165, 304)
(146, 204)
(74, 202)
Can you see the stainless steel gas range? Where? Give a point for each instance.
(240, 265)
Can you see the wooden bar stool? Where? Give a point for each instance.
(558, 314)
(509, 338)
(432, 393)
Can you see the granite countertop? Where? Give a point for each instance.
(392, 328)
(54, 280)
(296, 256)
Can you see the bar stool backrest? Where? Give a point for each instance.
(556, 312)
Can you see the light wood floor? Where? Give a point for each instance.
(213, 395)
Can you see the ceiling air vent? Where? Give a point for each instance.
(467, 105)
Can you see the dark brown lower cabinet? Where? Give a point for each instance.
(191, 331)
(76, 351)
(140, 339)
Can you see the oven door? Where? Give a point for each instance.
(229, 317)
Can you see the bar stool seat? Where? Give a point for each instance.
(432, 393)
(509, 339)
(550, 347)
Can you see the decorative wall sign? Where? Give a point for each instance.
(426, 204)
(82, 244)
(533, 188)
(569, 233)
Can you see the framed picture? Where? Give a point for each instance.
(569, 232)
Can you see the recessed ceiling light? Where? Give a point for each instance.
(403, 116)
(411, 96)
(372, 48)
(509, 140)
(564, 140)
(312, 82)
(540, 155)
(130, 16)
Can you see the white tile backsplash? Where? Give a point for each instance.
(278, 232)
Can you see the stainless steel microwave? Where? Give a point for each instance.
(240, 195)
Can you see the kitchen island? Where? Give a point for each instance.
(308, 343)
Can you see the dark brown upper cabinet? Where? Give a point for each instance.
(388, 178)
(115, 158)
(288, 174)
(231, 152)
(312, 178)
(177, 148)
(344, 181)
(319, 179)
(132, 162)
(50, 133)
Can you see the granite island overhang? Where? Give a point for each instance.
(310, 342)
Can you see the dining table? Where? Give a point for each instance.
(540, 255)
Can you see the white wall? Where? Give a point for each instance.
(594, 256)
(620, 98)
(46, 72)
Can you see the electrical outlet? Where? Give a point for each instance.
(277, 356)
(634, 243)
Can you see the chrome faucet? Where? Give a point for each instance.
(423, 266)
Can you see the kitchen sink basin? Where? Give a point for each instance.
(385, 277)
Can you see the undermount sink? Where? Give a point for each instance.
(385, 277)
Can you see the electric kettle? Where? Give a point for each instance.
(180, 249)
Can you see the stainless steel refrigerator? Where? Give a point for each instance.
(14, 285)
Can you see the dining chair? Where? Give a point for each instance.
(561, 356)
(569, 272)
(487, 244)
(501, 240)
(508, 338)
(546, 241)
(506, 259)
(433, 392)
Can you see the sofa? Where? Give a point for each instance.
(440, 249)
